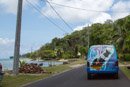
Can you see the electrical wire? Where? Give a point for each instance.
(59, 15)
(86, 9)
(38, 10)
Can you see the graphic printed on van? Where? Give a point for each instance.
(100, 57)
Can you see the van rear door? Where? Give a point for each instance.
(102, 58)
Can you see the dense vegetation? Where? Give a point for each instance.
(71, 46)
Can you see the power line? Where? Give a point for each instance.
(59, 15)
(86, 9)
(74, 7)
(45, 16)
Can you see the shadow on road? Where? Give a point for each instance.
(104, 77)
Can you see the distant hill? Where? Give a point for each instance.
(117, 33)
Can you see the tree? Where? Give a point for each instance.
(82, 50)
(116, 33)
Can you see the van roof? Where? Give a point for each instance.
(101, 46)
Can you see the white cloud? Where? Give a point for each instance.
(10, 6)
(78, 28)
(6, 47)
(101, 18)
(6, 41)
(69, 14)
(111, 10)
(73, 15)
(121, 9)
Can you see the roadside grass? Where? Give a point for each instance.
(125, 71)
(21, 79)
(125, 62)
(60, 68)
(16, 81)
(79, 61)
(57, 69)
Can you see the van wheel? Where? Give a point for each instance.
(89, 75)
(116, 76)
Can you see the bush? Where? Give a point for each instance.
(67, 55)
(124, 57)
(121, 57)
(49, 54)
(22, 63)
(127, 57)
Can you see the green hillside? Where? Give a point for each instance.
(117, 33)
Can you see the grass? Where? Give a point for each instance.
(79, 61)
(57, 69)
(125, 71)
(124, 62)
(124, 68)
(17, 81)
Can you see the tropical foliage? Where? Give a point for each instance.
(116, 33)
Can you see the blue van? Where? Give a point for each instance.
(102, 59)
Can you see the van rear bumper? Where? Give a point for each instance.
(116, 69)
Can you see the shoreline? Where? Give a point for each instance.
(28, 78)
(8, 63)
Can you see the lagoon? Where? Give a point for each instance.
(8, 63)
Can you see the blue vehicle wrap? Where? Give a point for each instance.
(102, 59)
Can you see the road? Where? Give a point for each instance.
(78, 78)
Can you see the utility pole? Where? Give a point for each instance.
(88, 36)
(17, 38)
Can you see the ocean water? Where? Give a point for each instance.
(7, 64)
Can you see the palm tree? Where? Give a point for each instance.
(120, 35)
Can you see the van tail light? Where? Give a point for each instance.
(116, 64)
(88, 64)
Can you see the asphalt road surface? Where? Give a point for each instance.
(78, 78)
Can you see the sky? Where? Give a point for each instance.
(37, 30)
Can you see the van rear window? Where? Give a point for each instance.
(101, 51)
